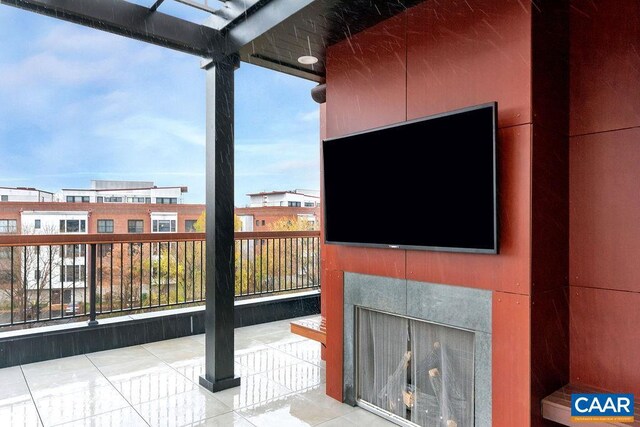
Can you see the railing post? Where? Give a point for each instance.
(92, 285)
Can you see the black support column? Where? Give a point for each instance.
(220, 285)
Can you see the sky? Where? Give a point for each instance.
(78, 104)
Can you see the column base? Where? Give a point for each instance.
(220, 384)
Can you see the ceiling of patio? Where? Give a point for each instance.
(306, 32)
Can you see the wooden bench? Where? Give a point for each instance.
(557, 407)
(313, 329)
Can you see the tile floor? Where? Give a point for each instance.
(156, 384)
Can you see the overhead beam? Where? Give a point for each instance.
(262, 20)
(133, 21)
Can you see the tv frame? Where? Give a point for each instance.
(494, 251)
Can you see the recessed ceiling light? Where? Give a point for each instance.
(307, 60)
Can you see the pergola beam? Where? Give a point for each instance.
(133, 21)
(262, 20)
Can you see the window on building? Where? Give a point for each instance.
(309, 204)
(113, 199)
(263, 222)
(164, 226)
(74, 251)
(73, 226)
(294, 204)
(99, 199)
(77, 199)
(8, 226)
(105, 226)
(37, 224)
(166, 200)
(136, 199)
(136, 226)
(147, 199)
(4, 198)
(257, 222)
(190, 225)
(72, 273)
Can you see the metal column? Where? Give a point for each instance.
(220, 284)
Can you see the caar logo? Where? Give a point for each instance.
(602, 407)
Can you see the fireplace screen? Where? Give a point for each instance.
(415, 370)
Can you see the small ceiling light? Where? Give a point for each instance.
(307, 60)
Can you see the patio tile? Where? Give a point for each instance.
(231, 419)
(254, 390)
(63, 365)
(306, 350)
(152, 384)
(19, 411)
(42, 383)
(133, 367)
(182, 409)
(120, 355)
(264, 359)
(120, 417)
(57, 409)
(360, 417)
(300, 376)
(11, 375)
(293, 410)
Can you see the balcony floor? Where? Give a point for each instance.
(156, 384)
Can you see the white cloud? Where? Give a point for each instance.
(311, 116)
(152, 131)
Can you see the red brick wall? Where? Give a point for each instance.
(119, 212)
(271, 214)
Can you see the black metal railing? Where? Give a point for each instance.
(50, 278)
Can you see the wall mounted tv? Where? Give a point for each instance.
(425, 184)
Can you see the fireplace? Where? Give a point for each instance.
(418, 353)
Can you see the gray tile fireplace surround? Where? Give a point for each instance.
(454, 306)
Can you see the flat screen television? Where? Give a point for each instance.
(425, 184)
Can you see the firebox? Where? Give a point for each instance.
(418, 353)
(412, 371)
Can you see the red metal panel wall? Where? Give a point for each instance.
(605, 65)
(479, 51)
(463, 53)
(510, 270)
(605, 210)
(605, 339)
(511, 360)
(604, 203)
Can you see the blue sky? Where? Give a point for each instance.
(78, 104)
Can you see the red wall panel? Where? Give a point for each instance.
(605, 339)
(332, 287)
(510, 270)
(367, 81)
(605, 65)
(462, 53)
(605, 210)
(511, 360)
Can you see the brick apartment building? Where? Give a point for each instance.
(265, 208)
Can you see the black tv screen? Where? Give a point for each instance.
(425, 184)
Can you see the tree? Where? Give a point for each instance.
(30, 282)
(293, 224)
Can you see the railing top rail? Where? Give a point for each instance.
(70, 239)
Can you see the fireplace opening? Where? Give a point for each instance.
(414, 372)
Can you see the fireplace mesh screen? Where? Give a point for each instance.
(419, 371)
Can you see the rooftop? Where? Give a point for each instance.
(283, 383)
